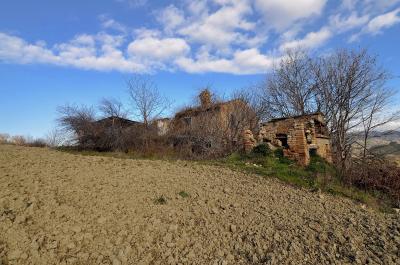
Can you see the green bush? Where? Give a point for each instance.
(319, 165)
(278, 153)
(262, 150)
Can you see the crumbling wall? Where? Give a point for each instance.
(298, 136)
(162, 126)
(248, 141)
(324, 148)
(297, 142)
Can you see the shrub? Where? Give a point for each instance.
(262, 150)
(4, 138)
(278, 153)
(323, 172)
(376, 175)
(18, 140)
(37, 143)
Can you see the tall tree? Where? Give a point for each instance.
(147, 101)
(348, 84)
(289, 88)
(110, 107)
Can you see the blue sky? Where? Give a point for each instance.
(57, 52)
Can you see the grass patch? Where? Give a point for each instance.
(271, 166)
(161, 200)
(318, 175)
(183, 194)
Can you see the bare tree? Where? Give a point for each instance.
(346, 82)
(78, 121)
(254, 96)
(288, 90)
(241, 117)
(55, 137)
(348, 86)
(375, 115)
(110, 107)
(19, 140)
(146, 99)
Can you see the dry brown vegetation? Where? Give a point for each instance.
(377, 175)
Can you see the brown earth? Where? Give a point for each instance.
(58, 208)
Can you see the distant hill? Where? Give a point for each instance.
(393, 148)
(382, 143)
(380, 138)
(390, 136)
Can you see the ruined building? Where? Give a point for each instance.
(162, 126)
(300, 137)
(213, 124)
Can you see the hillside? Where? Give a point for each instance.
(392, 148)
(384, 143)
(59, 208)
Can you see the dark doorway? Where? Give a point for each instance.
(283, 138)
(313, 152)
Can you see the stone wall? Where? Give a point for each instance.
(302, 135)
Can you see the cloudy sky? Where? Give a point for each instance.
(56, 52)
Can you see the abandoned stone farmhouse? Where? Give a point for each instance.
(215, 124)
(115, 121)
(224, 116)
(299, 136)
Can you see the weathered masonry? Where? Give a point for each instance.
(299, 136)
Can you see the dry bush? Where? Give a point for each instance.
(375, 174)
(4, 138)
(38, 142)
(79, 121)
(18, 140)
(56, 138)
(160, 147)
(28, 141)
(119, 138)
(212, 130)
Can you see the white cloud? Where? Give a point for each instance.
(198, 8)
(16, 50)
(251, 61)
(311, 40)
(160, 49)
(383, 21)
(348, 4)
(283, 13)
(206, 36)
(133, 3)
(379, 5)
(368, 6)
(109, 23)
(377, 24)
(341, 24)
(248, 61)
(170, 17)
(222, 28)
(81, 52)
(141, 33)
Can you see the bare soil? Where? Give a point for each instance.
(58, 208)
